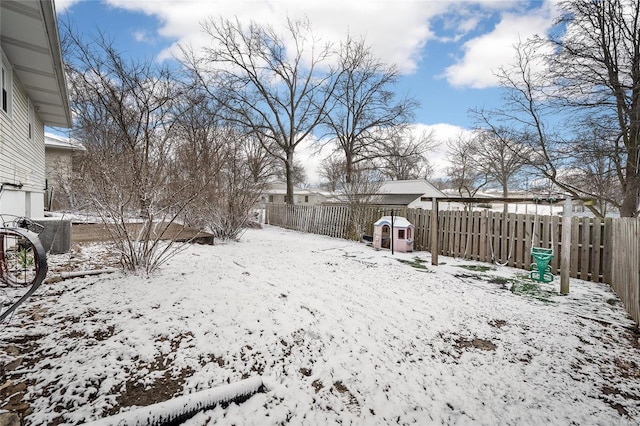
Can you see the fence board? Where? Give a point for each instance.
(596, 250)
(625, 271)
(585, 257)
(574, 247)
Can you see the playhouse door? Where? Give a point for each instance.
(386, 234)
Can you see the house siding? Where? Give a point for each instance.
(59, 172)
(22, 160)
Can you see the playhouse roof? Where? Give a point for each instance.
(398, 222)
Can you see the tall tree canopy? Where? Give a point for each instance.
(276, 85)
(365, 110)
(587, 72)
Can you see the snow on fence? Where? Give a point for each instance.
(602, 250)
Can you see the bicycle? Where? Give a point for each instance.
(23, 260)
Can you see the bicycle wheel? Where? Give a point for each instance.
(23, 263)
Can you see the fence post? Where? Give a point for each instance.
(566, 247)
(434, 231)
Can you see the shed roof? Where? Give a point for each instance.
(58, 142)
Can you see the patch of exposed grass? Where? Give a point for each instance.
(532, 289)
(478, 268)
(416, 262)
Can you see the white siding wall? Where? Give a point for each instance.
(59, 171)
(21, 158)
(59, 165)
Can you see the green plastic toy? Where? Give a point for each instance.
(540, 269)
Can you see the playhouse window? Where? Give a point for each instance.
(409, 234)
(401, 234)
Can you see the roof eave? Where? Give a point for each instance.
(51, 26)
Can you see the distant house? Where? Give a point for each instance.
(407, 193)
(59, 158)
(276, 193)
(33, 94)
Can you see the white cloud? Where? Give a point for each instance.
(397, 30)
(310, 154)
(442, 133)
(63, 5)
(142, 36)
(484, 55)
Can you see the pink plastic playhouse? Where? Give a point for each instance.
(403, 232)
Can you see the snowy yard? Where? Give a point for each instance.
(340, 333)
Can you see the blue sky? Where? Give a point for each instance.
(448, 51)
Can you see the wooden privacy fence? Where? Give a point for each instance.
(484, 236)
(334, 221)
(490, 236)
(602, 250)
(625, 269)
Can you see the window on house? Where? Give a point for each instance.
(271, 198)
(306, 198)
(409, 234)
(30, 124)
(4, 89)
(6, 86)
(401, 234)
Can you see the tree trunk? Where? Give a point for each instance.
(288, 165)
(631, 194)
(505, 194)
(348, 168)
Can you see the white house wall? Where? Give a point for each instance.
(22, 160)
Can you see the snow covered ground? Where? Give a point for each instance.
(339, 332)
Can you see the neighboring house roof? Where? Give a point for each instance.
(407, 192)
(29, 37)
(59, 142)
(418, 187)
(281, 188)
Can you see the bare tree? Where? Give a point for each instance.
(332, 172)
(500, 160)
(597, 68)
(230, 166)
(262, 165)
(593, 166)
(233, 194)
(122, 113)
(404, 155)
(298, 175)
(465, 177)
(528, 116)
(592, 78)
(361, 193)
(272, 84)
(365, 106)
